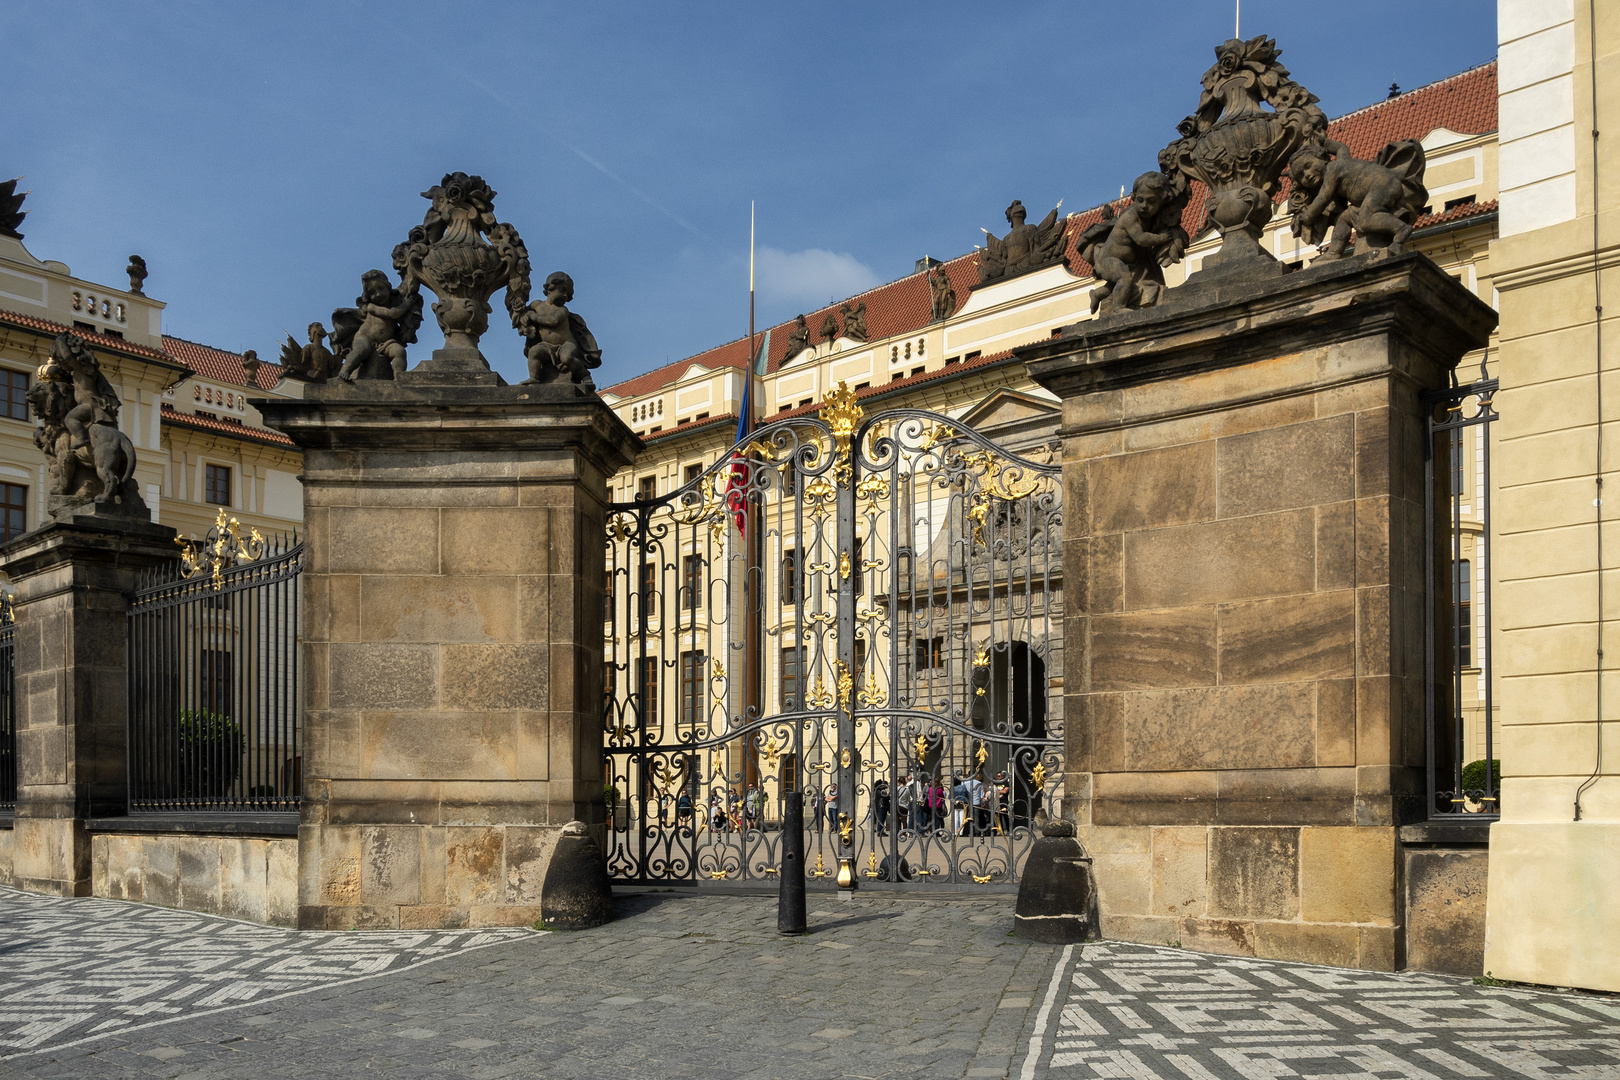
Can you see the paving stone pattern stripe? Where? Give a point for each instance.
(78, 970)
(1165, 1014)
(694, 986)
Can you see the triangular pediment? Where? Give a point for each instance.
(1005, 408)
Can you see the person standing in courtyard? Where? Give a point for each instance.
(817, 802)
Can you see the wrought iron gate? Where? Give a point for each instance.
(214, 705)
(889, 648)
(1460, 715)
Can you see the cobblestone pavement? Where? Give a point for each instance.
(685, 985)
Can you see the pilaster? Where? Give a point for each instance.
(71, 583)
(454, 585)
(1243, 470)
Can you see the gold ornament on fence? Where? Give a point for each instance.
(221, 550)
(842, 414)
(1038, 776)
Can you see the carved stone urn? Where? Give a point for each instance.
(450, 255)
(1238, 147)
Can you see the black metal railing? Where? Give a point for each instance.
(8, 708)
(1459, 713)
(214, 710)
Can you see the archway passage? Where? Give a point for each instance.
(1012, 711)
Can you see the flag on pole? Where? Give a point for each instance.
(737, 484)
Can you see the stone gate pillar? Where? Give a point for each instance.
(453, 596)
(71, 582)
(1243, 565)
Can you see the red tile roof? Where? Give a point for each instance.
(681, 429)
(224, 427)
(1464, 103)
(219, 365)
(1457, 213)
(97, 339)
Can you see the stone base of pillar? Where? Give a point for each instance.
(453, 597)
(70, 583)
(1243, 538)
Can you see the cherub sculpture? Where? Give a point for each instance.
(558, 341)
(1380, 200)
(854, 320)
(798, 338)
(370, 338)
(1026, 247)
(77, 409)
(311, 363)
(1129, 251)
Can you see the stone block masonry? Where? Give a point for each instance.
(1243, 470)
(453, 656)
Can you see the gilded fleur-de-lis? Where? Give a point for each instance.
(922, 748)
(771, 751)
(1037, 776)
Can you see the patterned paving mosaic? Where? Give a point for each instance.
(1165, 1014)
(75, 970)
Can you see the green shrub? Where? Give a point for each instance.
(610, 795)
(211, 746)
(1473, 778)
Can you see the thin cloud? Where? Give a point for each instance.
(809, 277)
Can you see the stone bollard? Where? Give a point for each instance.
(575, 894)
(1057, 895)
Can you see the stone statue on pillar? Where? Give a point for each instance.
(91, 462)
(370, 338)
(1378, 200)
(1025, 247)
(1251, 118)
(559, 344)
(798, 338)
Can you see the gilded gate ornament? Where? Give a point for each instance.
(220, 550)
(843, 415)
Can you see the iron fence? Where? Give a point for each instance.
(8, 708)
(214, 712)
(1463, 773)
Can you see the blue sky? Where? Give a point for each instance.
(262, 156)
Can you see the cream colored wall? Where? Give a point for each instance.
(265, 489)
(1553, 909)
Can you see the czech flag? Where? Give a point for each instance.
(737, 485)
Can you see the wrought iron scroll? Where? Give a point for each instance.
(910, 597)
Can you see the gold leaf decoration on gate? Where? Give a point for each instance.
(985, 880)
(922, 748)
(842, 414)
(771, 751)
(1001, 482)
(935, 434)
(846, 686)
(874, 488)
(843, 565)
(846, 829)
(981, 654)
(1038, 776)
(870, 695)
(820, 697)
(222, 549)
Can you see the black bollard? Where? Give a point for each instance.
(790, 917)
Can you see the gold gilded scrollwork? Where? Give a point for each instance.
(985, 880)
(997, 484)
(1038, 776)
(821, 869)
(820, 697)
(922, 748)
(846, 686)
(843, 757)
(870, 695)
(843, 565)
(842, 414)
(936, 434)
(771, 751)
(846, 829)
(220, 550)
(874, 488)
(871, 864)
